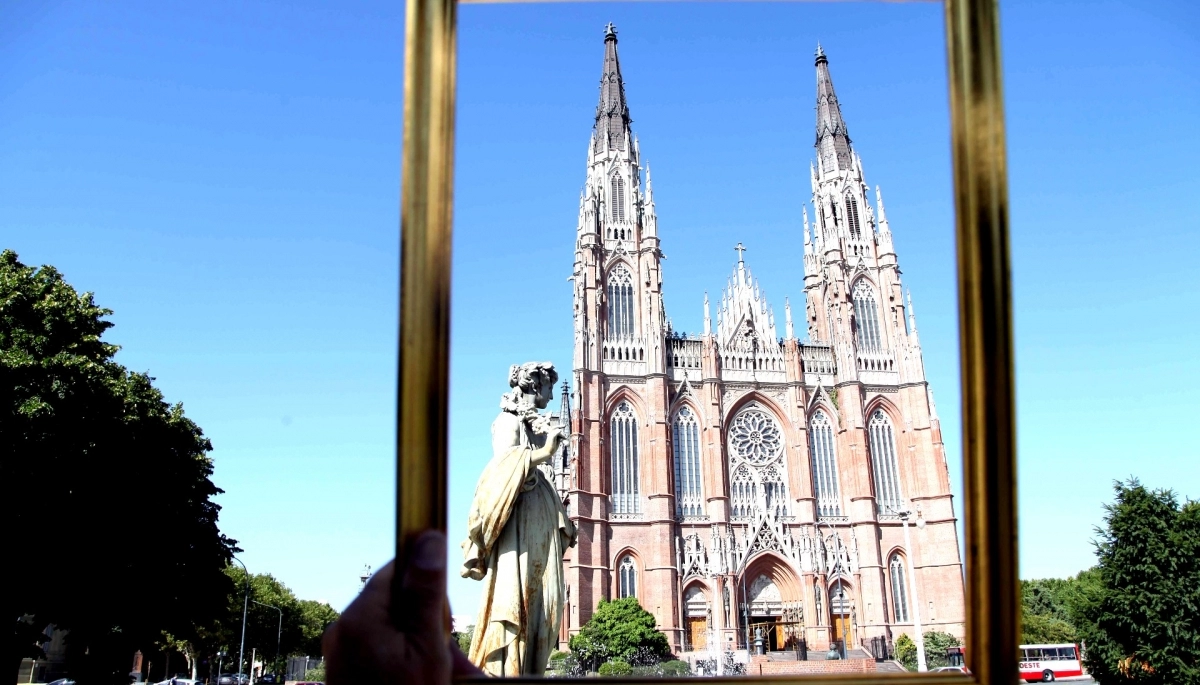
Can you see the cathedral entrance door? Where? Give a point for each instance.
(842, 630)
(697, 627)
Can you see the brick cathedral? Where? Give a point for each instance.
(744, 483)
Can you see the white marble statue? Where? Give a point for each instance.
(517, 531)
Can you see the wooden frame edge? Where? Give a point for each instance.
(985, 325)
(985, 338)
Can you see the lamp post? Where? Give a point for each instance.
(278, 635)
(922, 666)
(220, 667)
(245, 607)
(837, 571)
(363, 577)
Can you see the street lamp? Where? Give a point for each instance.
(837, 570)
(922, 666)
(220, 666)
(245, 607)
(364, 576)
(279, 635)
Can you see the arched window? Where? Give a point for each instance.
(626, 578)
(852, 217)
(686, 437)
(899, 589)
(882, 443)
(756, 464)
(623, 441)
(824, 465)
(618, 198)
(866, 317)
(620, 303)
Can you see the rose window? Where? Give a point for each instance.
(755, 437)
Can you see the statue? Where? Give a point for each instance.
(517, 531)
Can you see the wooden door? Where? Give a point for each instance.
(842, 630)
(698, 632)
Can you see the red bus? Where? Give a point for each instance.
(1047, 663)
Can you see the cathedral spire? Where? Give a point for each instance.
(707, 318)
(611, 130)
(787, 309)
(833, 141)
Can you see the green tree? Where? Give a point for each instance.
(1138, 622)
(111, 480)
(304, 621)
(936, 643)
(464, 637)
(619, 629)
(906, 652)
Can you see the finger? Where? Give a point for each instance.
(422, 597)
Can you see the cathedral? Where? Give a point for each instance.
(745, 484)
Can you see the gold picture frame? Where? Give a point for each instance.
(985, 318)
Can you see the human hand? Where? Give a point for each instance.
(382, 639)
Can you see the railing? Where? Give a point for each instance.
(624, 350)
(876, 360)
(684, 353)
(818, 359)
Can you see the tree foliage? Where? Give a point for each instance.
(936, 643)
(1049, 608)
(303, 621)
(619, 629)
(1138, 620)
(106, 486)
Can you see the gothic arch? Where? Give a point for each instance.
(888, 475)
(889, 407)
(895, 550)
(776, 567)
(626, 393)
(624, 436)
(685, 401)
(766, 402)
(618, 260)
(698, 583)
(685, 445)
(865, 278)
(638, 570)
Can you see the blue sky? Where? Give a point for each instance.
(225, 177)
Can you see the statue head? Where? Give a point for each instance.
(532, 386)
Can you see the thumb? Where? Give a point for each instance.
(420, 601)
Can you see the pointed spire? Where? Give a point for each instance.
(707, 318)
(804, 208)
(611, 130)
(883, 224)
(833, 140)
(787, 311)
(912, 317)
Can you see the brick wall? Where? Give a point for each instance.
(760, 666)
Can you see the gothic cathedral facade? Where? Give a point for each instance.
(743, 484)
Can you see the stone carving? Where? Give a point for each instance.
(695, 557)
(517, 530)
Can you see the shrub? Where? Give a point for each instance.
(675, 668)
(616, 667)
(936, 643)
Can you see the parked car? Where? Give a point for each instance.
(61, 681)
(269, 679)
(950, 669)
(233, 679)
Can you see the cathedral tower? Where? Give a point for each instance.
(740, 479)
